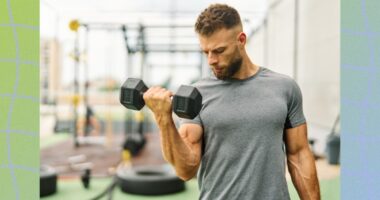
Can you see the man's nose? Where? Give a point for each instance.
(212, 59)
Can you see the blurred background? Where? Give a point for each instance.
(89, 48)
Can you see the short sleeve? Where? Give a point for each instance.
(196, 120)
(295, 116)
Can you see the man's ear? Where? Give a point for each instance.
(242, 38)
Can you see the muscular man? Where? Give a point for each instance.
(249, 114)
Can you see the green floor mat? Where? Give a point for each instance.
(330, 190)
(74, 190)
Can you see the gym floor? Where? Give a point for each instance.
(73, 190)
(329, 177)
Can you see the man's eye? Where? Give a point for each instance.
(219, 51)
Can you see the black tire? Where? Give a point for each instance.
(48, 181)
(149, 180)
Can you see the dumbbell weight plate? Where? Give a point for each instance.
(131, 94)
(187, 102)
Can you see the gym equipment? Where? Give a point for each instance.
(149, 180)
(134, 143)
(48, 181)
(312, 142)
(187, 102)
(63, 126)
(49, 175)
(76, 99)
(85, 178)
(333, 145)
(108, 191)
(74, 25)
(126, 161)
(143, 180)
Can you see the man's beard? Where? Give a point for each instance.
(231, 70)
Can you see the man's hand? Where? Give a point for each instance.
(159, 100)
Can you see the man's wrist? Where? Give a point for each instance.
(163, 118)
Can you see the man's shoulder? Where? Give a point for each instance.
(276, 76)
(206, 81)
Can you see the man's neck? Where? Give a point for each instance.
(247, 69)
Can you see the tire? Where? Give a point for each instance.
(48, 181)
(149, 180)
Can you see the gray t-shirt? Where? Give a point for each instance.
(243, 122)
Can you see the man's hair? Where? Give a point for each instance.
(216, 17)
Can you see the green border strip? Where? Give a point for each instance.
(19, 99)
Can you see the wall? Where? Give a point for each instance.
(316, 67)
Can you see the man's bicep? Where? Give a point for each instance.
(192, 135)
(296, 139)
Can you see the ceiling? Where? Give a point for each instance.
(149, 11)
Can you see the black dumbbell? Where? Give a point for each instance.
(187, 102)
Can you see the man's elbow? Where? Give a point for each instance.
(185, 176)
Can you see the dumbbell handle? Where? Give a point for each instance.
(186, 102)
(127, 98)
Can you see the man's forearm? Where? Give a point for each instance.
(175, 150)
(304, 176)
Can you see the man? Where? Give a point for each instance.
(249, 113)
